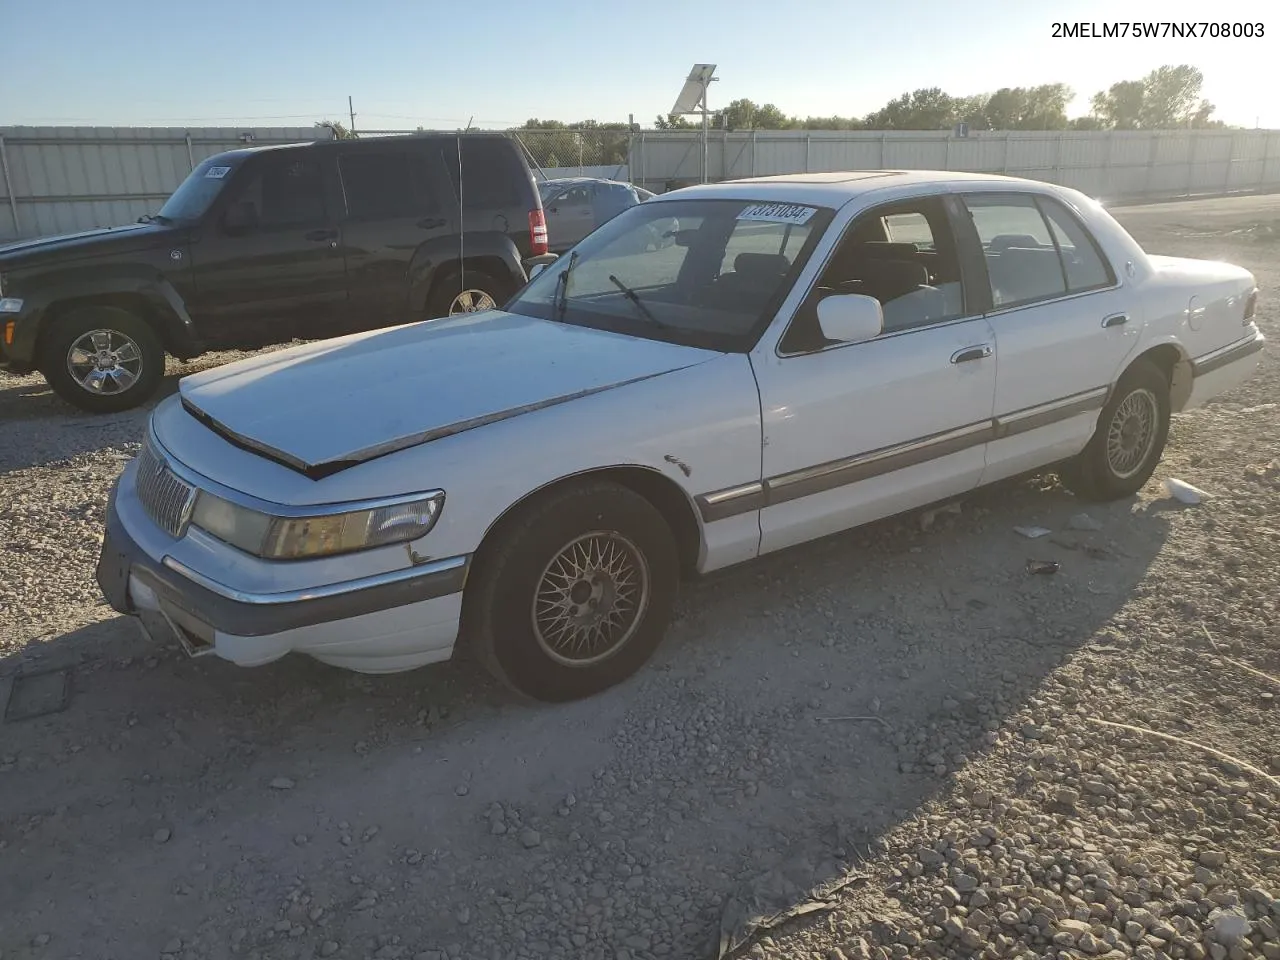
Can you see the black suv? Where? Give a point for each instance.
(268, 244)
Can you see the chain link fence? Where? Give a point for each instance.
(593, 152)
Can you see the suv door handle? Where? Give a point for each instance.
(1115, 320)
(326, 234)
(979, 351)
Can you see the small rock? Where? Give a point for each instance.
(1229, 926)
(282, 783)
(971, 938)
(40, 939)
(954, 926)
(981, 799)
(162, 835)
(328, 948)
(1082, 521)
(1213, 859)
(965, 883)
(464, 915)
(462, 790)
(530, 838)
(173, 946)
(979, 899)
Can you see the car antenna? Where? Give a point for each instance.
(462, 222)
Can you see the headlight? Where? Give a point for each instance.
(317, 535)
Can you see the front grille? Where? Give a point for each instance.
(166, 499)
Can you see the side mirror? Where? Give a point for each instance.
(240, 217)
(537, 269)
(850, 318)
(535, 265)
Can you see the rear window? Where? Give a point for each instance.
(384, 185)
(492, 174)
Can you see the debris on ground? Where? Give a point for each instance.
(1183, 492)
(1032, 533)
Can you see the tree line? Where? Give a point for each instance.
(1165, 98)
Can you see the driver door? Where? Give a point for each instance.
(858, 431)
(279, 272)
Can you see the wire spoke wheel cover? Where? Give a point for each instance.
(471, 301)
(590, 599)
(1131, 434)
(104, 362)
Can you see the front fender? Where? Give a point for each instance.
(163, 301)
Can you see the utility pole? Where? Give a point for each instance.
(351, 111)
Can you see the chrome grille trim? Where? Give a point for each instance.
(167, 500)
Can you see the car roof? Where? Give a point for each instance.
(366, 143)
(558, 181)
(837, 188)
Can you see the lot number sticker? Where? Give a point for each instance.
(216, 173)
(793, 213)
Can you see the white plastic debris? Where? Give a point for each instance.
(1033, 533)
(1184, 492)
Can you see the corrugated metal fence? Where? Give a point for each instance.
(1113, 165)
(62, 179)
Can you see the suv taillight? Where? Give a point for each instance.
(538, 232)
(1251, 305)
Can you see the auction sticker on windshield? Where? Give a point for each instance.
(216, 173)
(778, 213)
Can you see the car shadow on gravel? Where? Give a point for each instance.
(801, 706)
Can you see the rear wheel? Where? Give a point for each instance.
(1129, 439)
(102, 359)
(468, 292)
(576, 594)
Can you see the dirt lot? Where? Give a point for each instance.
(897, 730)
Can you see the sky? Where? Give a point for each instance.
(500, 62)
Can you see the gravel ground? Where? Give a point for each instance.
(892, 743)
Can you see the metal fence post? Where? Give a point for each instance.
(1191, 163)
(1231, 159)
(808, 142)
(8, 188)
(883, 137)
(191, 157)
(753, 153)
(1152, 149)
(1005, 169)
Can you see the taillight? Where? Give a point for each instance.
(538, 231)
(1251, 305)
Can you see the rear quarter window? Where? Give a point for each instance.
(492, 174)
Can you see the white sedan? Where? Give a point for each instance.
(806, 354)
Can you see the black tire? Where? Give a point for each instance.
(501, 597)
(130, 346)
(1101, 471)
(453, 285)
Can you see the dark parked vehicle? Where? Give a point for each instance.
(268, 244)
(577, 205)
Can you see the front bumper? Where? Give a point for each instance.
(16, 346)
(378, 624)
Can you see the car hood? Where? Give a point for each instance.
(329, 405)
(87, 243)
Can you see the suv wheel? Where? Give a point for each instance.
(102, 359)
(469, 293)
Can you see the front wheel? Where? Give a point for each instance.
(1130, 437)
(102, 359)
(576, 594)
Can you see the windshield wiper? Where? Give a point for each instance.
(635, 298)
(562, 283)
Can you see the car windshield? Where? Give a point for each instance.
(702, 272)
(195, 194)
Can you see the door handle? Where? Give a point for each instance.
(979, 351)
(318, 235)
(432, 223)
(1115, 320)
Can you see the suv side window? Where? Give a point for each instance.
(492, 176)
(286, 192)
(383, 186)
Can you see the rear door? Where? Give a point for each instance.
(400, 225)
(570, 216)
(1063, 324)
(281, 276)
